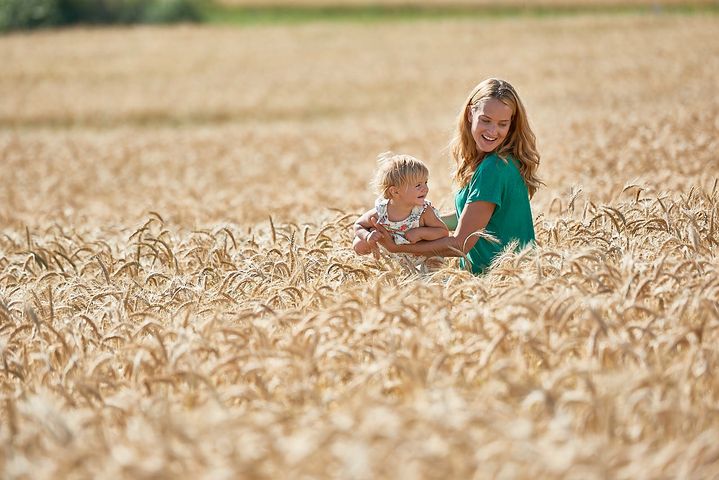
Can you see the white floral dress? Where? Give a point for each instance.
(398, 228)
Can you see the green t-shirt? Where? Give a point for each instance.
(500, 183)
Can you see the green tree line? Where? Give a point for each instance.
(24, 14)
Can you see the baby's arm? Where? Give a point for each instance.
(431, 228)
(365, 240)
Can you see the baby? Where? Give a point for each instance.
(402, 208)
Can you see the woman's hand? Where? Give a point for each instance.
(385, 238)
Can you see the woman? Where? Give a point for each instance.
(497, 161)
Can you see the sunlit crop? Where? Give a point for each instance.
(179, 297)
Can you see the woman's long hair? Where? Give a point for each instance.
(520, 141)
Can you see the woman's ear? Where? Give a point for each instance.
(470, 112)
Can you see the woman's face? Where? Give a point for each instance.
(490, 121)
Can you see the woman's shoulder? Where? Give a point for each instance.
(495, 158)
(498, 163)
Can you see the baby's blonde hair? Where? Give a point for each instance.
(394, 170)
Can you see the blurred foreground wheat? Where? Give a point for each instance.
(276, 352)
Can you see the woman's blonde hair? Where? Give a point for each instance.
(520, 141)
(394, 170)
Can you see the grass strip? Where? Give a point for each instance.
(249, 15)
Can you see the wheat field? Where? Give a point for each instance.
(179, 297)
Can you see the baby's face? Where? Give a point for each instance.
(414, 192)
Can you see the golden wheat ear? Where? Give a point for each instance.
(478, 233)
(483, 234)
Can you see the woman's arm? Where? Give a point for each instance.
(474, 218)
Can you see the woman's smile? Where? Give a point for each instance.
(490, 121)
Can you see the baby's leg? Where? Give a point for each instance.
(361, 247)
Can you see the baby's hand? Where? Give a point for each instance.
(373, 238)
(412, 235)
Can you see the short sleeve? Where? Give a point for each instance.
(488, 182)
(380, 206)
